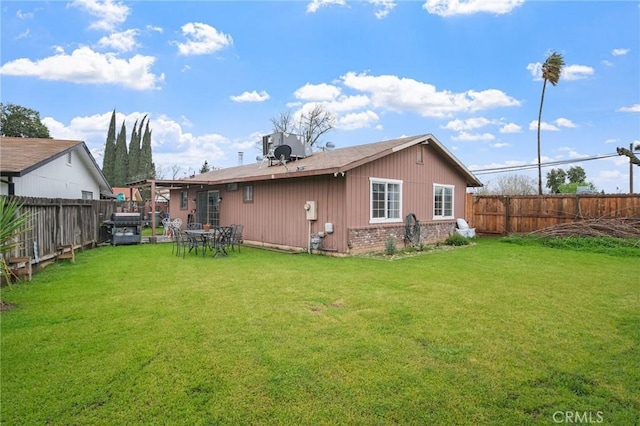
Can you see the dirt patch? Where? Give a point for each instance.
(6, 306)
(404, 253)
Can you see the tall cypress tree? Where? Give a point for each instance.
(134, 154)
(121, 166)
(146, 157)
(109, 159)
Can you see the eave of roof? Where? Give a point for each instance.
(322, 163)
(20, 156)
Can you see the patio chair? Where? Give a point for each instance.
(194, 225)
(236, 236)
(462, 228)
(178, 240)
(177, 222)
(166, 225)
(222, 240)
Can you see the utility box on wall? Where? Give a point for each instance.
(312, 210)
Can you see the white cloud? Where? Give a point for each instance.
(314, 5)
(564, 122)
(571, 152)
(110, 14)
(620, 52)
(464, 136)
(347, 103)
(500, 145)
(202, 39)
(631, 108)
(611, 141)
(510, 128)
(543, 126)
(124, 41)
(576, 72)
(447, 8)
(569, 72)
(357, 120)
(156, 29)
(24, 15)
(317, 92)
(611, 175)
(383, 7)
(468, 124)
(606, 63)
(404, 94)
(251, 97)
(84, 66)
(25, 34)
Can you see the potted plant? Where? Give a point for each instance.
(206, 227)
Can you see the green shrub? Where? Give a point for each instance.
(456, 239)
(390, 246)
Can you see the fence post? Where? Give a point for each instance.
(507, 215)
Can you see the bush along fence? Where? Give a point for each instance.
(502, 215)
(55, 227)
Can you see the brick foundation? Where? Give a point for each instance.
(374, 238)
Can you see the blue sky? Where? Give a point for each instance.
(212, 74)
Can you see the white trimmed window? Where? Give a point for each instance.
(443, 201)
(386, 200)
(247, 194)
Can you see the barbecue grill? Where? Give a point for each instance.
(124, 228)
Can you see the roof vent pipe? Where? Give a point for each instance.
(240, 154)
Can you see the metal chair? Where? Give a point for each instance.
(166, 225)
(194, 225)
(222, 240)
(236, 236)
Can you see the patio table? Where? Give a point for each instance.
(203, 237)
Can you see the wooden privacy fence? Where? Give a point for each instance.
(497, 214)
(56, 222)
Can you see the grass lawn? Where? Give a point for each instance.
(493, 333)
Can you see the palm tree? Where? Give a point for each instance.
(551, 70)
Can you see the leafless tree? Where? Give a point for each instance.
(311, 125)
(283, 123)
(510, 185)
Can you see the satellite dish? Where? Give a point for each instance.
(282, 153)
(330, 145)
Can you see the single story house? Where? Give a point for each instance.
(343, 201)
(50, 168)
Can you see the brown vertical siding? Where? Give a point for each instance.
(417, 188)
(277, 217)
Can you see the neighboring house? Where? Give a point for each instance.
(353, 198)
(127, 194)
(50, 168)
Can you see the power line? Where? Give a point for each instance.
(535, 166)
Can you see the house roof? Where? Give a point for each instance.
(20, 156)
(322, 163)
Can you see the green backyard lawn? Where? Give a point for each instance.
(492, 333)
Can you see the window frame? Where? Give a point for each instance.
(247, 194)
(442, 215)
(184, 199)
(386, 182)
